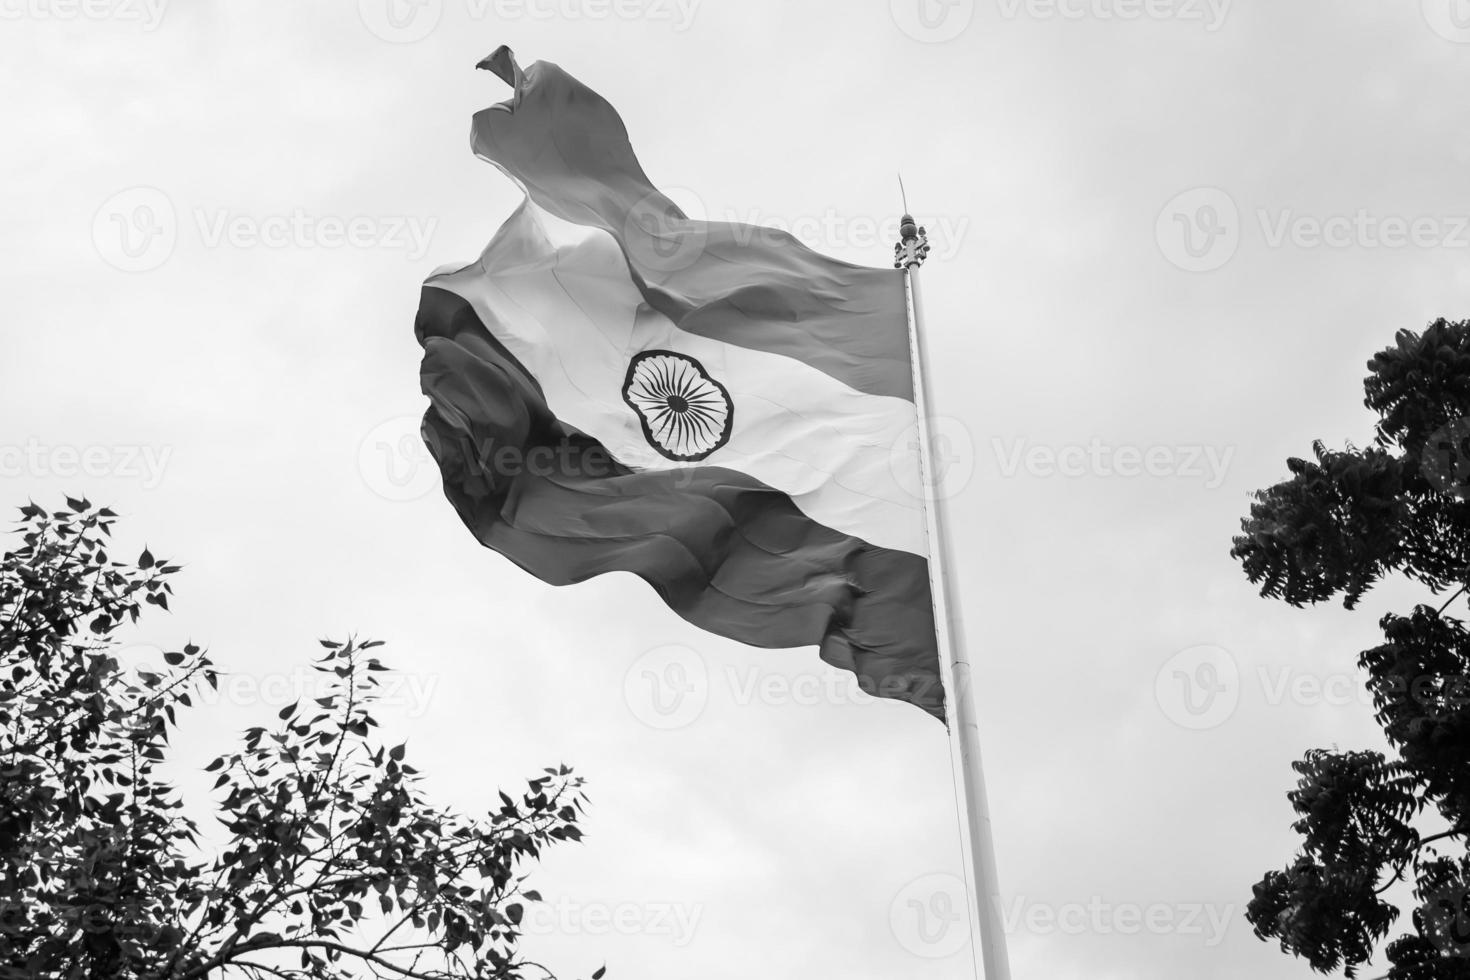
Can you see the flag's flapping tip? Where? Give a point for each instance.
(502, 61)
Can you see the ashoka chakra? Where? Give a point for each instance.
(685, 413)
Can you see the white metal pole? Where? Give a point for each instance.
(949, 624)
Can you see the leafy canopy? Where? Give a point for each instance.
(1340, 524)
(336, 865)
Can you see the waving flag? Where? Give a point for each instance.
(712, 406)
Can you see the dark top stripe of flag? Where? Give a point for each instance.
(748, 285)
(725, 551)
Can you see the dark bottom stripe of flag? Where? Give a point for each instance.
(726, 552)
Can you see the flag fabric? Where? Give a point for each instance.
(712, 406)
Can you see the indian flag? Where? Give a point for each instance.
(712, 406)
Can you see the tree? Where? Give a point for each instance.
(336, 864)
(1338, 525)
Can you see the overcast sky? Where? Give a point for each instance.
(1167, 235)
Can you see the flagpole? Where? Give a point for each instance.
(984, 890)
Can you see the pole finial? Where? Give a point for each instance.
(912, 247)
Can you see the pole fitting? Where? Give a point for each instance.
(912, 247)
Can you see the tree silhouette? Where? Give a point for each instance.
(1340, 524)
(336, 865)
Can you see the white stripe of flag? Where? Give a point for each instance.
(559, 297)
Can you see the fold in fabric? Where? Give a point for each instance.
(756, 287)
(727, 553)
(714, 407)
